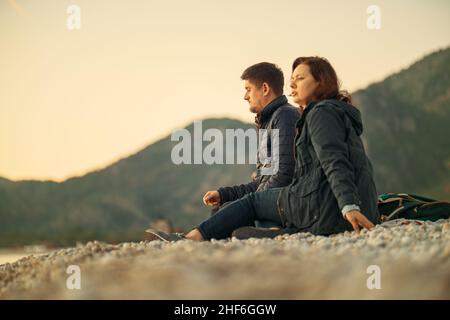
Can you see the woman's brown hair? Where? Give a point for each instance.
(323, 72)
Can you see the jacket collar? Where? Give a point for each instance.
(265, 114)
(305, 112)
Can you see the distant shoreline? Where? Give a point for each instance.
(11, 255)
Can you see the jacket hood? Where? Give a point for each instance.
(353, 113)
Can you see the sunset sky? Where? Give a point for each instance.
(76, 100)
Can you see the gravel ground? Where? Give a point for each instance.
(413, 257)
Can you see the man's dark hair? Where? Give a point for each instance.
(265, 72)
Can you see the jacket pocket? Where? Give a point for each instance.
(304, 200)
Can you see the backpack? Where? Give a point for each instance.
(411, 206)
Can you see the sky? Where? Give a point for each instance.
(73, 101)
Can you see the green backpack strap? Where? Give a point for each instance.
(389, 197)
(411, 206)
(407, 206)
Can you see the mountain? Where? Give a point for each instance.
(407, 127)
(116, 203)
(406, 133)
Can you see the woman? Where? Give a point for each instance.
(332, 189)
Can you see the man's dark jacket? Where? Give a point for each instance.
(331, 171)
(278, 114)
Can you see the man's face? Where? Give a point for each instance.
(255, 96)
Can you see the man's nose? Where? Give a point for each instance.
(292, 84)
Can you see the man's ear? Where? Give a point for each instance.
(266, 89)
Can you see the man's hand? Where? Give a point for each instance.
(357, 219)
(211, 198)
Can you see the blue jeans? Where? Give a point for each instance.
(243, 212)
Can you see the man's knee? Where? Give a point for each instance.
(215, 209)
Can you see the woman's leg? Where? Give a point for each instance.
(240, 213)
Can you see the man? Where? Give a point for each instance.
(264, 84)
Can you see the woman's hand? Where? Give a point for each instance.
(211, 198)
(357, 219)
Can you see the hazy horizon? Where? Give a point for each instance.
(76, 101)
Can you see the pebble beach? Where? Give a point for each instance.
(412, 259)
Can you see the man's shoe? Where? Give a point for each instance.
(254, 232)
(152, 235)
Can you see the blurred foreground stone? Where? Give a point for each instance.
(414, 261)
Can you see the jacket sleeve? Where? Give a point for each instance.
(285, 122)
(237, 191)
(327, 131)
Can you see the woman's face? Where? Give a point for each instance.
(303, 85)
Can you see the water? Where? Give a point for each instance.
(10, 257)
